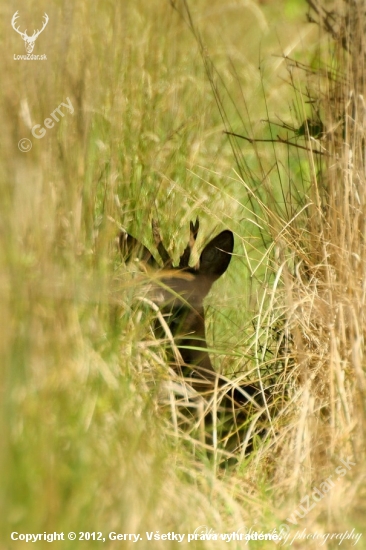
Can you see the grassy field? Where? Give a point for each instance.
(90, 438)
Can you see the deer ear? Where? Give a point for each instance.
(132, 249)
(216, 256)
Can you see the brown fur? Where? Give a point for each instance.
(179, 292)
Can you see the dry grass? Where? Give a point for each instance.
(88, 444)
(309, 331)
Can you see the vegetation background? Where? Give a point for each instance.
(88, 442)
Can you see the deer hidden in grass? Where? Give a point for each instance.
(178, 294)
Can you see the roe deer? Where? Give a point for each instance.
(179, 292)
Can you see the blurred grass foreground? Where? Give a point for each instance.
(123, 122)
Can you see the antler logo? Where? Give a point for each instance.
(29, 40)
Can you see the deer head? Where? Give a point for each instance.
(29, 40)
(182, 289)
(179, 292)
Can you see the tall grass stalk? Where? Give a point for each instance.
(91, 415)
